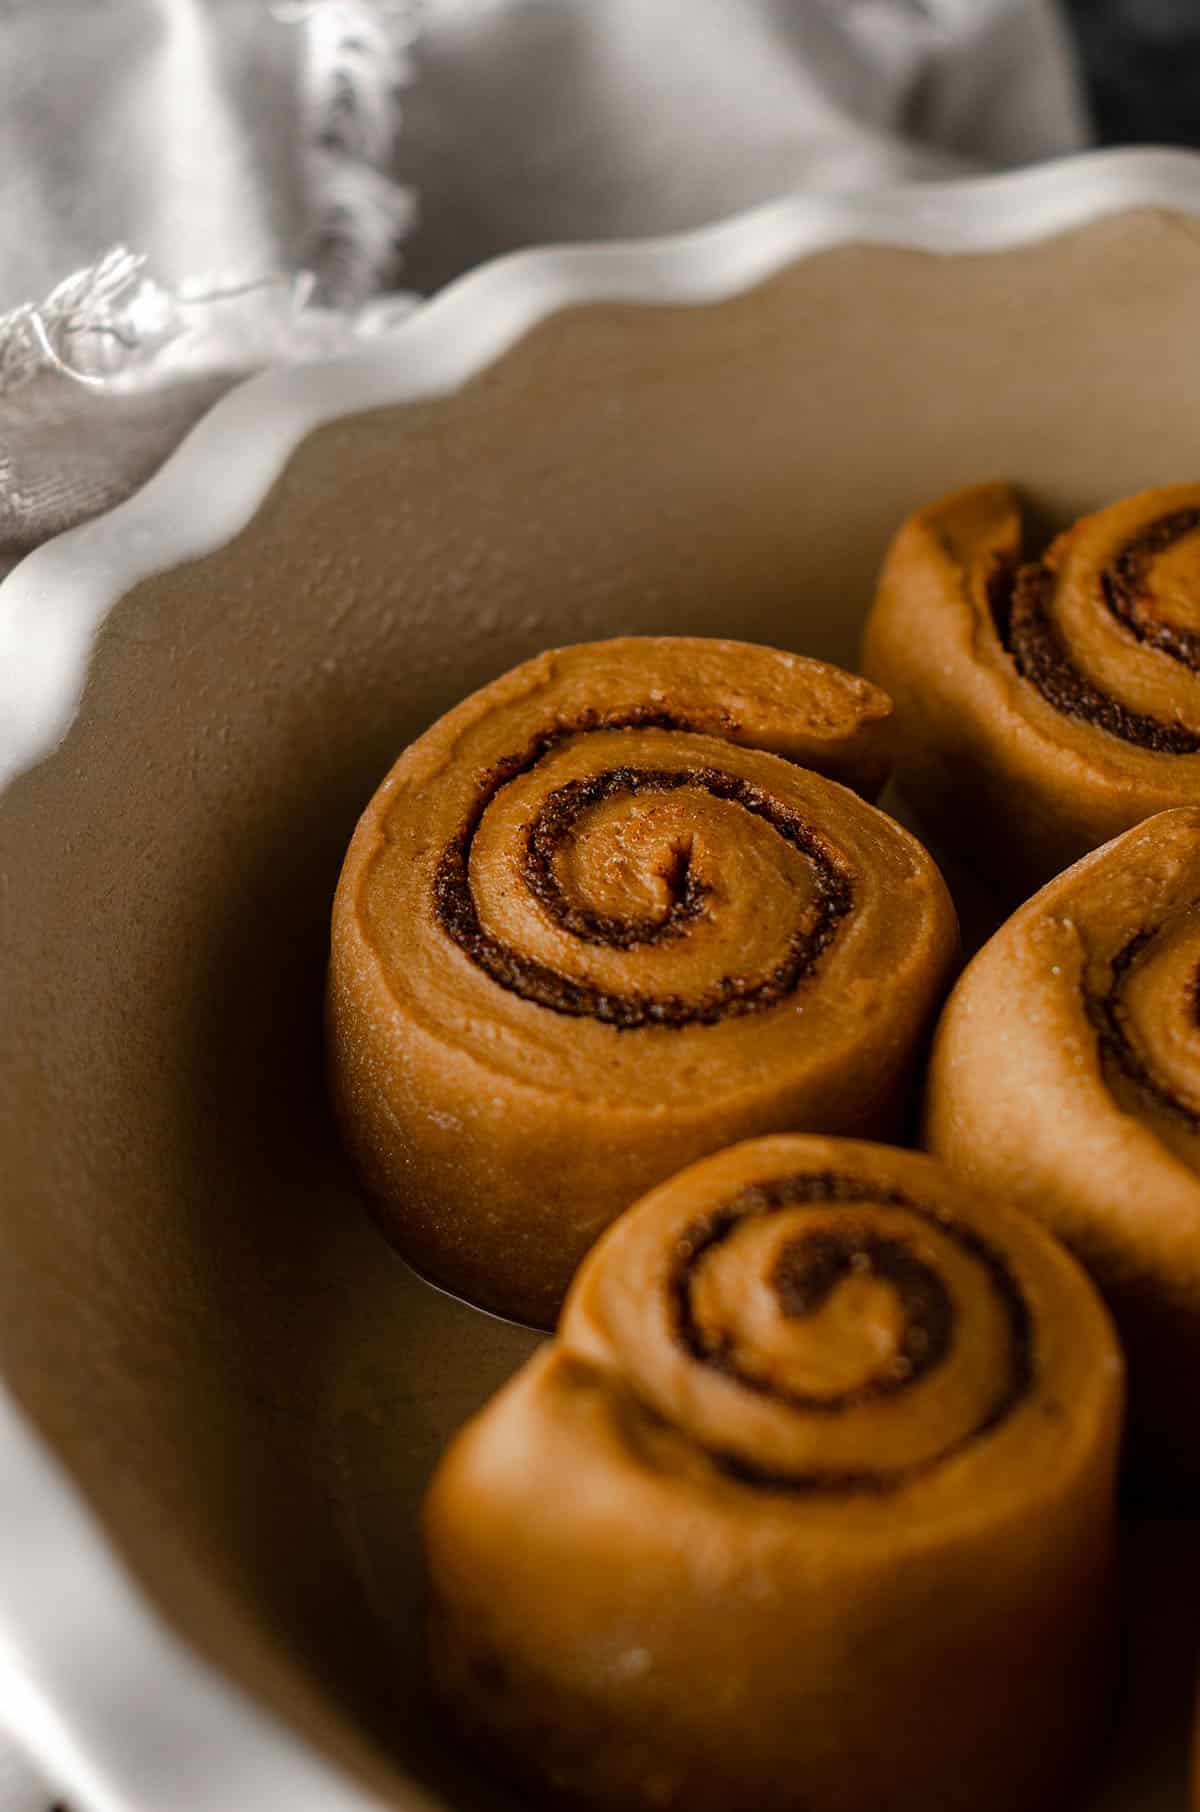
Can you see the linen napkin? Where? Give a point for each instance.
(276, 168)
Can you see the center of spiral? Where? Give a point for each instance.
(865, 1354)
(1157, 571)
(555, 825)
(1147, 1017)
(808, 1271)
(818, 911)
(1021, 602)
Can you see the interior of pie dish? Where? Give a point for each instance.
(196, 1314)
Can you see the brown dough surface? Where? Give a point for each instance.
(598, 921)
(1066, 1078)
(1042, 706)
(809, 1504)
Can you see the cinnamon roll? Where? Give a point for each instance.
(1043, 705)
(809, 1503)
(596, 922)
(1066, 1077)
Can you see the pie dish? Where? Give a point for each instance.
(223, 1394)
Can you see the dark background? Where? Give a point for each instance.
(1141, 64)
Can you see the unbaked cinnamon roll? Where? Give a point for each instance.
(1066, 1078)
(1043, 705)
(598, 921)
(809, 1504)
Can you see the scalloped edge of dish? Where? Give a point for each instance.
(109, 1700)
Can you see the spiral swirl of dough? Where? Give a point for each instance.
(1045, 704)
(605, 917)
(1066, 1076)
(797, 1314)
(822, 1456)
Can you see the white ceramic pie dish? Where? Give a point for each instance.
(136, 1690)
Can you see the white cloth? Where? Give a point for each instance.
(232, 141)
(178, 126)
